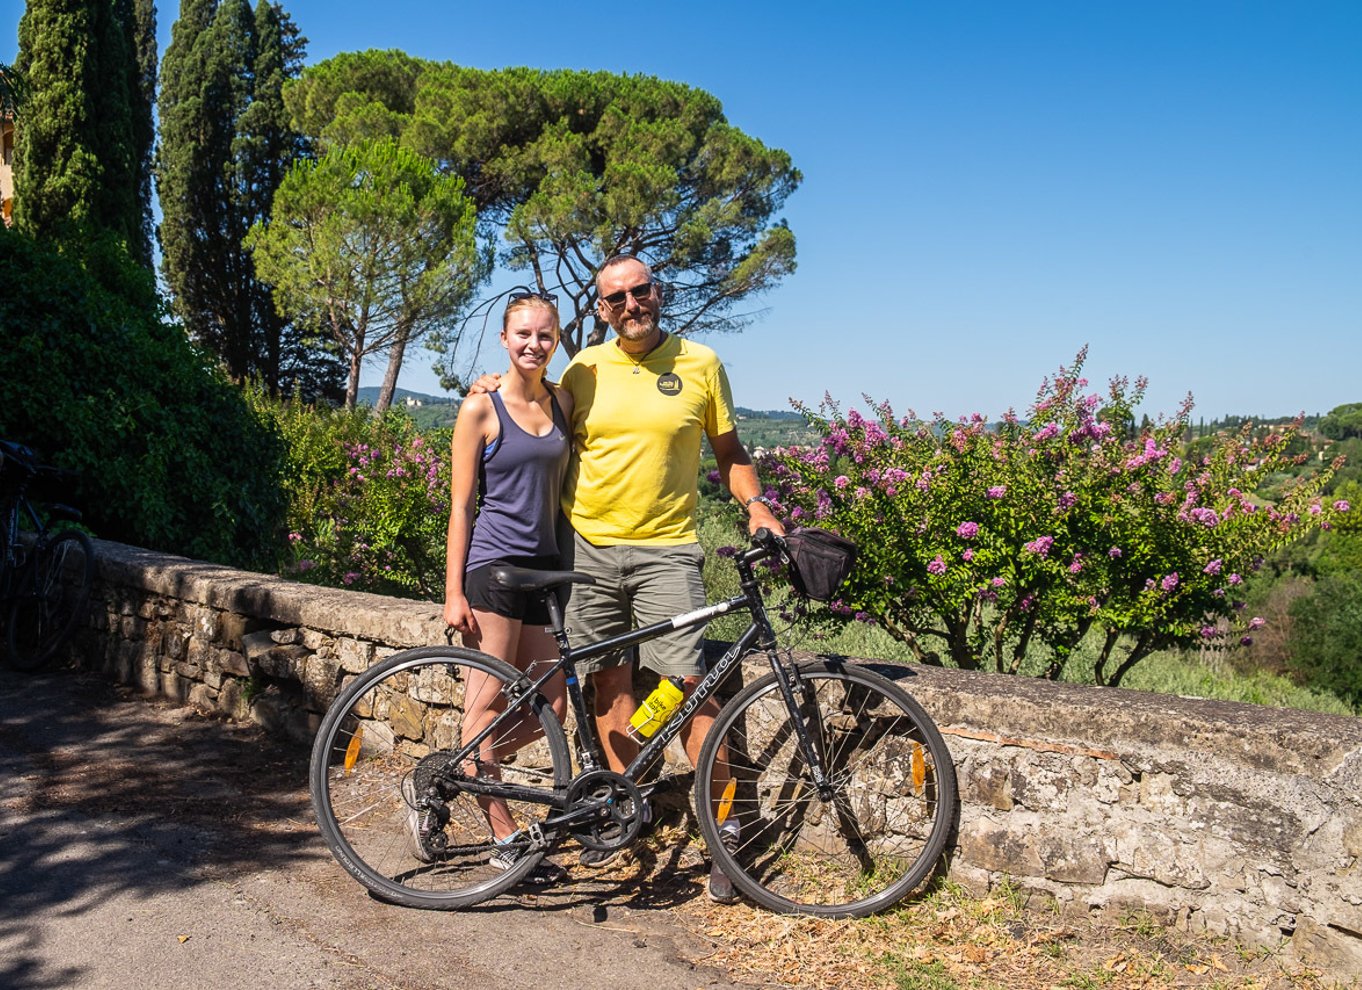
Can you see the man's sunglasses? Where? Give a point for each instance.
(524, 292)
(640, 292)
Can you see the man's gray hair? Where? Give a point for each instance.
(619, 259)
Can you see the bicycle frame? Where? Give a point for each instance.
(758, 632)
(14, 557)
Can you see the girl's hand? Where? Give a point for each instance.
(459, 616)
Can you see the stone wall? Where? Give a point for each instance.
(1239, 819)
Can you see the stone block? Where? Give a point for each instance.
(283, 662)
(234, 663)
(407, 717)
(232, 626)
(354, 655)
(198, 651)
(202, 696)
(254, 644)
(205, 622)
(320, 676)
(287, 637)
(318, 642)
(1321, 946)
(993, 787)
(175, 641)
(1158, 851)
(174, 686)
(231, 700)
(270, 711)
(1026, 849)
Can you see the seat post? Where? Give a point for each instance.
(555, 610)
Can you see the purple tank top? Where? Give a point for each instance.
(520, 482)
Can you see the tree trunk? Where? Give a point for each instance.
(395, 356)
(352, 383)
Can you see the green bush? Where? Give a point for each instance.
(1001, 547)
(168, 454)
(1326, 636)
(368, 499)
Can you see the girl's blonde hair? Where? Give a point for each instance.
(526, 301)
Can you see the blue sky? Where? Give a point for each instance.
(990, 185)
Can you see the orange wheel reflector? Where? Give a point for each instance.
(919, 767)
(352, 751)
(726, 800)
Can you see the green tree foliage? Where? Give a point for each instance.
(356, 96)
(1343, 422)
(167, 453)
(573, 167)
(225, 146)
(1003, 547)
(1326, 636)
(140, 24)
(79, 158)
(371, 245)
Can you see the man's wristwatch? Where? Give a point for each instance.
(762, 499)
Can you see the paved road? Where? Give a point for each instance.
(143, 845)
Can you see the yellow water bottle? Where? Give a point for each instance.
(657, 707)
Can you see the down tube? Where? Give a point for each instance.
(715, 676)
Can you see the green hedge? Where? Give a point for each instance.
(92, 376)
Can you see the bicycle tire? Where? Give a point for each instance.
(52, 597)
(894, 794)
(404, 713)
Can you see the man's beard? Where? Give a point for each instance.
(640, 327)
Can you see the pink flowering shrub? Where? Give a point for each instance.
(995, 547)
(368, 501)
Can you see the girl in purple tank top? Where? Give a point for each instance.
(508, 456)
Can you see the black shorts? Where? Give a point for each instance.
(528, 607)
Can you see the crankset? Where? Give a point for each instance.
(609, 807)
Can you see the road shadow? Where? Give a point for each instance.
(109, 793)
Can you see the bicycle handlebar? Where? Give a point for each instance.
(764, 544)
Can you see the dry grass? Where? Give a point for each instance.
(951, 939)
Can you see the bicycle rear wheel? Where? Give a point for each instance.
(51, 599)
(892, 803)
(390, 797)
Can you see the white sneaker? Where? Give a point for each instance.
(418, 845)
(720, 884)
(545, 872)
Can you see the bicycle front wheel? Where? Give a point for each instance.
(51, 599)
(406, 818)
(885, 823)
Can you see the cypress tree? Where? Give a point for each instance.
(76, 160)
(225, 146)
(141, 34)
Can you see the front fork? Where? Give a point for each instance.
(799, 698)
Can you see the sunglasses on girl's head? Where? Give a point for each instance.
(640, 292)
(515, 295)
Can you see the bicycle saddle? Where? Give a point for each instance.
(524, 579)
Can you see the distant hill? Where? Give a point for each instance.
(368, 395)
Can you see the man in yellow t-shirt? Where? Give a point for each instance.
(642, 402)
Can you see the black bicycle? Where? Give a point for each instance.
(833, 787)
(46, 567)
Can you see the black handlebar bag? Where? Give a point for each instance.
(819, 561)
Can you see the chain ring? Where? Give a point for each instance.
(619, 801)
